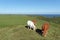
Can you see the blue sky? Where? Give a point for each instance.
(29, 6)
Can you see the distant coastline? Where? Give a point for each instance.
(36, 14)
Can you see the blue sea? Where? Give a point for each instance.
(51, 15)
(47, 14)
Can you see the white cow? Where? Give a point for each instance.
(30, 25)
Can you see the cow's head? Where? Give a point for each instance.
(34, 21)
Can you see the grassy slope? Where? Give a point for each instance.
(13, 28)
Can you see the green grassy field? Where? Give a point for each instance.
(12, 27)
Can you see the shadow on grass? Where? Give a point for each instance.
(28, 27)
(39, 31)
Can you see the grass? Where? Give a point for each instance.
(12, 27)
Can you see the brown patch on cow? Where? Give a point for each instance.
(34, 21)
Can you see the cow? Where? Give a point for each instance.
(31, 25)
(45, 28)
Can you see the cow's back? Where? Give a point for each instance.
(45, 27)
(30, 23)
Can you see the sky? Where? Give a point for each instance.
(29, 6)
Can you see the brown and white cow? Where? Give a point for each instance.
(30, 24)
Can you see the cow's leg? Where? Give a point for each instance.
(44, 33)
(30, 27)
(34, 28)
